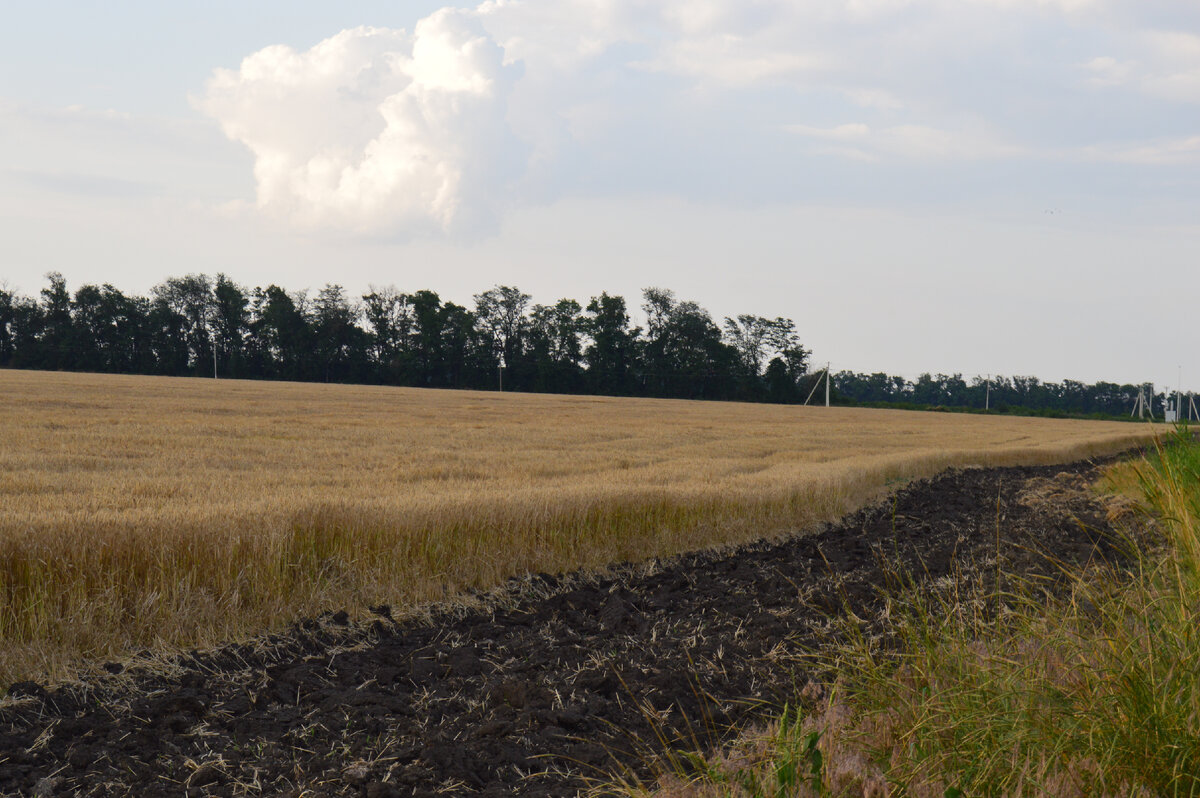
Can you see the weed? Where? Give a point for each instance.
(1016, 692)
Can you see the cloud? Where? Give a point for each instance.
(111, 154)
(85, 185)
(439, 131)
(1108, 71)
(733, 60)
(1161, 152)
(1163, 64)
(377, 131)
(1175, 65)
(906, 142)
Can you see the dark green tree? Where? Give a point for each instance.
(8, 326)
(555, 346)
(684, 355)
(191, 299)
(230, 326)
(500, 316)
(56, 337)
(340, 345)
(111, 330)
(612, 349)
(390, 329)
(282, 340)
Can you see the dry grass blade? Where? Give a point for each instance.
(138, 512)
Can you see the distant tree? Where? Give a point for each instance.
(111, 329)
(281, 335)
(24, 328)
(231, 325)
(56, 338)
(555, 346)
(341, 346)
(468, 355)
(955, 392)
(684, 355)
(191, 298)
(612, 351)
(432, 347)
(750, 335)
(783, 340)
(500, 316)
(1028, 391)
(167, 340)
(390, 325)
(8, 329)
(658, 366)
(781, 386)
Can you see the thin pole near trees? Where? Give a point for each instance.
(817, 384)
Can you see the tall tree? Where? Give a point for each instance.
(111, 328)
(684, 353)
(56, 337)
(282, 338)
(230, 325)
(554, 343)
(8, 327)
(390, 320)
(191, 298)
(500, 316)
(468, 357)
(761, 341)
(431, 348)
(749, 334)
(341, 347)
(612, 352)
(167, 339)
(24, 329)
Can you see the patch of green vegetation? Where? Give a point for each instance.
(1092, 690)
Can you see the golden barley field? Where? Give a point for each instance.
(142, 512)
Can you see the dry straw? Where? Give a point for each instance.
(153, 512)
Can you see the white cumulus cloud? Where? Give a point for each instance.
(439, 130)
(375, 130)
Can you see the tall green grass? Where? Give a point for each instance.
(1093, 691)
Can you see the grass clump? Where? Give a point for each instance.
(1089, 691)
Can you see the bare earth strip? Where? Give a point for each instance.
(144, 512)
(547, 682)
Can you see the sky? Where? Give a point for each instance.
(955, 186)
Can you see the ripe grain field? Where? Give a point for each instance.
(141, 512)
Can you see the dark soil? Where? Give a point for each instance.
(542, 685)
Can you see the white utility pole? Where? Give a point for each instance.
(1139, 404)
(1143, 404)
(817, 385)
(987, 396)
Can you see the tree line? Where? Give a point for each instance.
(198, 326)
(999, 394)
(194, 325)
